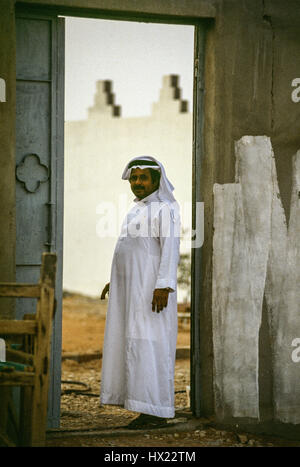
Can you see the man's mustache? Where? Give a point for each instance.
(137, 187)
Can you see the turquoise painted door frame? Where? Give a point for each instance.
(40, 141)
(39, 166)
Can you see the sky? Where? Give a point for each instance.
(133, 55)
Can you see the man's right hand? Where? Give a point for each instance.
(104, 291)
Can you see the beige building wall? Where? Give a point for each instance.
(96, 198)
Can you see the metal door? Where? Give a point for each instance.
(39, 165)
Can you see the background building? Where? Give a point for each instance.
(96, 199)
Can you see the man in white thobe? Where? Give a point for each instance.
(141, 325)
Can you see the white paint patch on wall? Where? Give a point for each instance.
(284, 306)
(235, 318)
(254, 157)
(255, 254)
(245, 216)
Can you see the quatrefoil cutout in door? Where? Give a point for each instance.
(31, 172)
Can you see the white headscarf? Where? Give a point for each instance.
(165, 186)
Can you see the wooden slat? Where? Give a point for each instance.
(35, 394)
(18, 356)
(48, 269)
(7, 441)
(45, 308)
(13, 326)
(8, 289)
(16, 378)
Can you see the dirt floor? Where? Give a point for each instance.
(85, 423)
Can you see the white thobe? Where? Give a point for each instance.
(139, 344)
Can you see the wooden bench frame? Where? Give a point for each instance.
(36, 332)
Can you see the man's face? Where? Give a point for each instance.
(141, 183)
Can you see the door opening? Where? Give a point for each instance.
(129, 92)
(170, 100)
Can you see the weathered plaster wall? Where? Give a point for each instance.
(7, 153)
(255, 254)
(241, 249)
(252, 56)
(283, 302)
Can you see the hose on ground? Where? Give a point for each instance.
(84, 392)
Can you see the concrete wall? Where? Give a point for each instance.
(252, 56)
(256, 254)
(7, 154)
(96, 198)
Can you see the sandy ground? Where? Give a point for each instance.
(85, 423)
(84, 322)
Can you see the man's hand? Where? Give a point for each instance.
(160, 299)
(104, 291)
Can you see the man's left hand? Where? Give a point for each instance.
(160, 299)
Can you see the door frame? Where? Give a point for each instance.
(197, 197)
(55, 204)
(200, 27)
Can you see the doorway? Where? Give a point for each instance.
(54, 208)
(129, 92)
